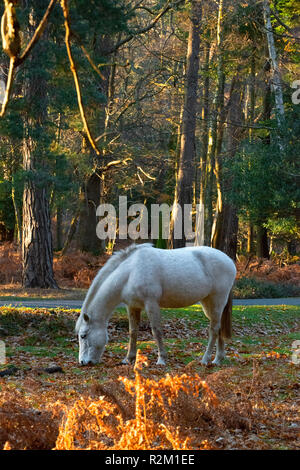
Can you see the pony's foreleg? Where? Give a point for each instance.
(214, 329)
(134, 321)
(153, 312)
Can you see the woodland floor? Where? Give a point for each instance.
(74, 272)
(257, 389)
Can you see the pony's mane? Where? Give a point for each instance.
(114, 261)
(118, 257)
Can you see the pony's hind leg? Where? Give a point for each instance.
(153, 312)
(134, 315)
(220, 354)
(214, 329)
(213, 310)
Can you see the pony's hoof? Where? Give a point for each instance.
(217, 362)
(160, 362)
(206, 362)
(127, 361)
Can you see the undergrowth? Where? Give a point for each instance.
(258, 278)
(253, 288)
(251, 402)
(174, 412)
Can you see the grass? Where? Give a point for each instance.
(257, 370)
(49, 333)
(17, 293)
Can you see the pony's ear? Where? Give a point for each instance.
(86, 317)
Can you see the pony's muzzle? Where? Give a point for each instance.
(87, 363)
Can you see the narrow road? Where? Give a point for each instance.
(76, 304)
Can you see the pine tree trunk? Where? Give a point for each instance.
(18, 226)
(37, 250)
(70, 234)
(184, 184)
(59, 217)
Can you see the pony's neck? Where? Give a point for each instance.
(103, 304)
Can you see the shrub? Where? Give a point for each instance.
(164, 412)
(252, 288)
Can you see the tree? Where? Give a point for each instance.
(276, 78)
(37, 249)
(185, 177)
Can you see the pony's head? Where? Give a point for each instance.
(92, 340)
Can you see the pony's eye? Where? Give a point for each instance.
(83, 336)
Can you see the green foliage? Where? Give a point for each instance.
(285, 228)
(104, 16)
(264, 174)
(145, 114)
(60, 164)
(6, 207)
(251, 288)
(248, 19)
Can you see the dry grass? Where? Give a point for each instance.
(25, 427)
(176, 412)
(76, 270)
(10, 264)
(143, 409)
(163, 411)
(270, 270)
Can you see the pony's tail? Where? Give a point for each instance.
(226, 320)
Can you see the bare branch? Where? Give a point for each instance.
(146, 29)
(116, 162)
(87, 55)
(37, 34)
(276, 16)
(65, 8)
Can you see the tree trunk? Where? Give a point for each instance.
(250, 238)
(89, 201)
(71, 233)
(59, 217)
(37, 250)
(262, 248)
(200, 228)
(184, 184)
(226, 226)
(276, 78)
(214, 130)
(90, 195)
(262, 245)
(225, 238)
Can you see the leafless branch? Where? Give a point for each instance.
(65, 8)
(146, 29)
(37, 34)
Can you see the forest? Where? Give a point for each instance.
(145, 108)
(162, 102)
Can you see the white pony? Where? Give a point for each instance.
(144, 277)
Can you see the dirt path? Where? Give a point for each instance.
(76, 304)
